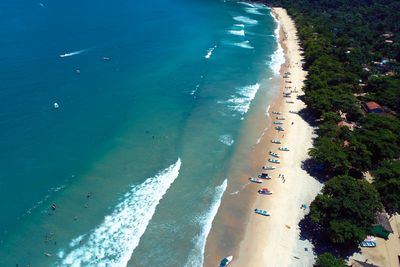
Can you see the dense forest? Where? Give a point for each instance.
(352, 55)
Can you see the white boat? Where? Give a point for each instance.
(274, 154)
(225, 261)
(255, 180)
(280, 118)
(268, 168)
(276, 112)
(275, 141)
(283, 148)
(56, 106)
(274, 161)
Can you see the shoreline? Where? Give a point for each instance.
(274, 240)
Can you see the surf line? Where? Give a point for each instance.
(113, 241)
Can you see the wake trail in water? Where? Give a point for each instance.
(70, 54)
(114, 240)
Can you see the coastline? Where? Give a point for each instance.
(256, 240)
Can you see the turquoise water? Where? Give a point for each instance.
(136, 156)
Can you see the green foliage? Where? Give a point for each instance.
(346, 209)
(387, 182)
(328, 260)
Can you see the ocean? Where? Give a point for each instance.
(153, 99)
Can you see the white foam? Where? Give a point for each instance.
(244, 44)
(278, 57)
(114, 240)
(242, 100)
(253, 10)
(196, 257)
(195, 89)
(247, 4)
(70, 54)
(239, 25)
(210, 51)
(237, 32)
(245, 20)
(226, 139)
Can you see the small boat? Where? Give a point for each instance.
(368, 244)
(274, 154)
(47, 254)
(290, 102)
(280, 118)
(291, 111)
(276, 112)
(264, 176)
(106, 58)
(268, 168)
(264, 191)
(279, 128)
(225, 261)
(274, 161)
(275, 141)
(283, 148)
(255, 180)
(278, 122)
(56, 106)
(262, 212)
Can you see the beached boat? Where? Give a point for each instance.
(225, 261)
(274, 154)
(255, 180)
(292, 111)
(276, 112)
(280, 118)
(283, 148)
(268, 168)
(264, 176)
(262, 212)
(278, 122)
(274, 161)
(279, 128)
(290, 102)
(265, 191)
(368, 244)
(275, 141)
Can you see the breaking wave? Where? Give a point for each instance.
(114, 240)
(245, 20)
(242, 99)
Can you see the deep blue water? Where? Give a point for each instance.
(181, 80)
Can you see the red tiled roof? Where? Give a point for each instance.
(373, 105)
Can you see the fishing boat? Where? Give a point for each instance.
(290, 102)
(274, 161)
(106, 58)
(56, 106)
(280, 118)
(255, 180)
(268, 168)
(276, 112)
(283, 148)
(279, 128)
(262, 212)
(264, 176)
(265, 191)
(225, 261)
(292, 111)
(275, 141)
(274, 154)
(278, 122)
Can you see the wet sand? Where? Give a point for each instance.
(256, 240)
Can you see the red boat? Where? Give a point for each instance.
(265, 191)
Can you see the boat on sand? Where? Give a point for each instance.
(274, 161)
(268, 168)
(264, 176)
(262, 212)
(255, 180)
(225, 261)
(264, 191)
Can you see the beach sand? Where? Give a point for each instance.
(256, 240)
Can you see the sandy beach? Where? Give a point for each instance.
(274, 240)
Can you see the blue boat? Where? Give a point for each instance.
(262, 212)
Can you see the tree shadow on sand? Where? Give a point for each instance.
(314, 233)
(316, 170)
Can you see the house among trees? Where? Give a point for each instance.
(373, 107)
(382, 227)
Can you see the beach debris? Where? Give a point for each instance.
(287, 226)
